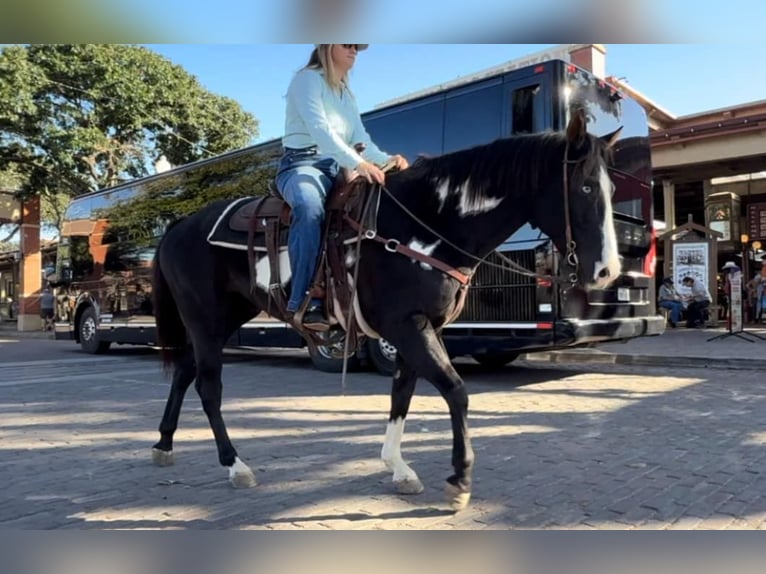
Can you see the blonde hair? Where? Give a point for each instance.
(321, 59)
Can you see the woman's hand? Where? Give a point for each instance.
(371, 172)
(397, 162)
(400, 162)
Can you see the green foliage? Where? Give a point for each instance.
(76, 118)
(6, 246)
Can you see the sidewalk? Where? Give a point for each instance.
(679, 348)
(8, 330)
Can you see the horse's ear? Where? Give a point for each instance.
(611, 139)
(577, 127)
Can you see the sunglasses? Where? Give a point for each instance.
(351, 46)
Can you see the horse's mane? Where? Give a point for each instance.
(523, 160)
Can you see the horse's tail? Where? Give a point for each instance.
(171, 333)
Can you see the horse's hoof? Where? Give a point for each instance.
(240, 475)
(457, 498)
(162, 457)
(243, 480)
(408, 486)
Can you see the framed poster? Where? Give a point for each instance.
(690, 260)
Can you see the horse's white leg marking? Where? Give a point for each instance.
(610, 256)
(263, 270)
(421, 247)
(162, 457)
(405, 479)
(240, 475)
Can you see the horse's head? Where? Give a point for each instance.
(584, 229)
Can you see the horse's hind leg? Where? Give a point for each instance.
(208, 354)
(183, 376)
(405, 479)
(424, 352)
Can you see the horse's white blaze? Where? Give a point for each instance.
(263, 270)
(610, 256)
(392, 454)
(425, 249)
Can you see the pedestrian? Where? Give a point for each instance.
(668, 298)
(47, 306)
(700, 301)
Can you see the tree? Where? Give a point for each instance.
(76, 118)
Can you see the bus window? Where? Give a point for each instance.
(80, 258)
(523, 110)
(473, 118)
(411, 131)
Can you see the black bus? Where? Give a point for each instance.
(108, 237)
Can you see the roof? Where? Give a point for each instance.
(560, 52)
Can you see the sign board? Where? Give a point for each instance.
(690, 260)
(719, 219)
(734, 282)
(756, 221)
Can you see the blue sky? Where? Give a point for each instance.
(682, 78)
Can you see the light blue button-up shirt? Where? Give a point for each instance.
(317, 115)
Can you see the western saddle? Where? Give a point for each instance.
(351, 207)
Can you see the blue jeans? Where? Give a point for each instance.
(304, 179)
(675, 309)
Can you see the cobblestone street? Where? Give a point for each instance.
(557, 446)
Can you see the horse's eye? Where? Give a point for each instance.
(586, 189)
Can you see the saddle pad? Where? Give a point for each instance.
(221, 235)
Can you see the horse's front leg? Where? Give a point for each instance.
(405, 479)
(424, 352)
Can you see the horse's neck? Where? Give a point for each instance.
(481, 233)
(473, 225)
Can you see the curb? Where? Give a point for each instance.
(685, 362)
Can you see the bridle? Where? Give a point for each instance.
(464, 279)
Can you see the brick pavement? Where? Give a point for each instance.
(557, 446)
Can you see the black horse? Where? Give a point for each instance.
(457, 208)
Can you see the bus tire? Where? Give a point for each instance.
(382, 355)
(90, 338)
(329, 359)
(495, 360)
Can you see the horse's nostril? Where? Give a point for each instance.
(604, 273)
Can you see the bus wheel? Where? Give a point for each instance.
(495, 360)
(382, 355)
(89, 335)
(329, 358)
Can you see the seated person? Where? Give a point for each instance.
(668, 298)
(700, 301)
